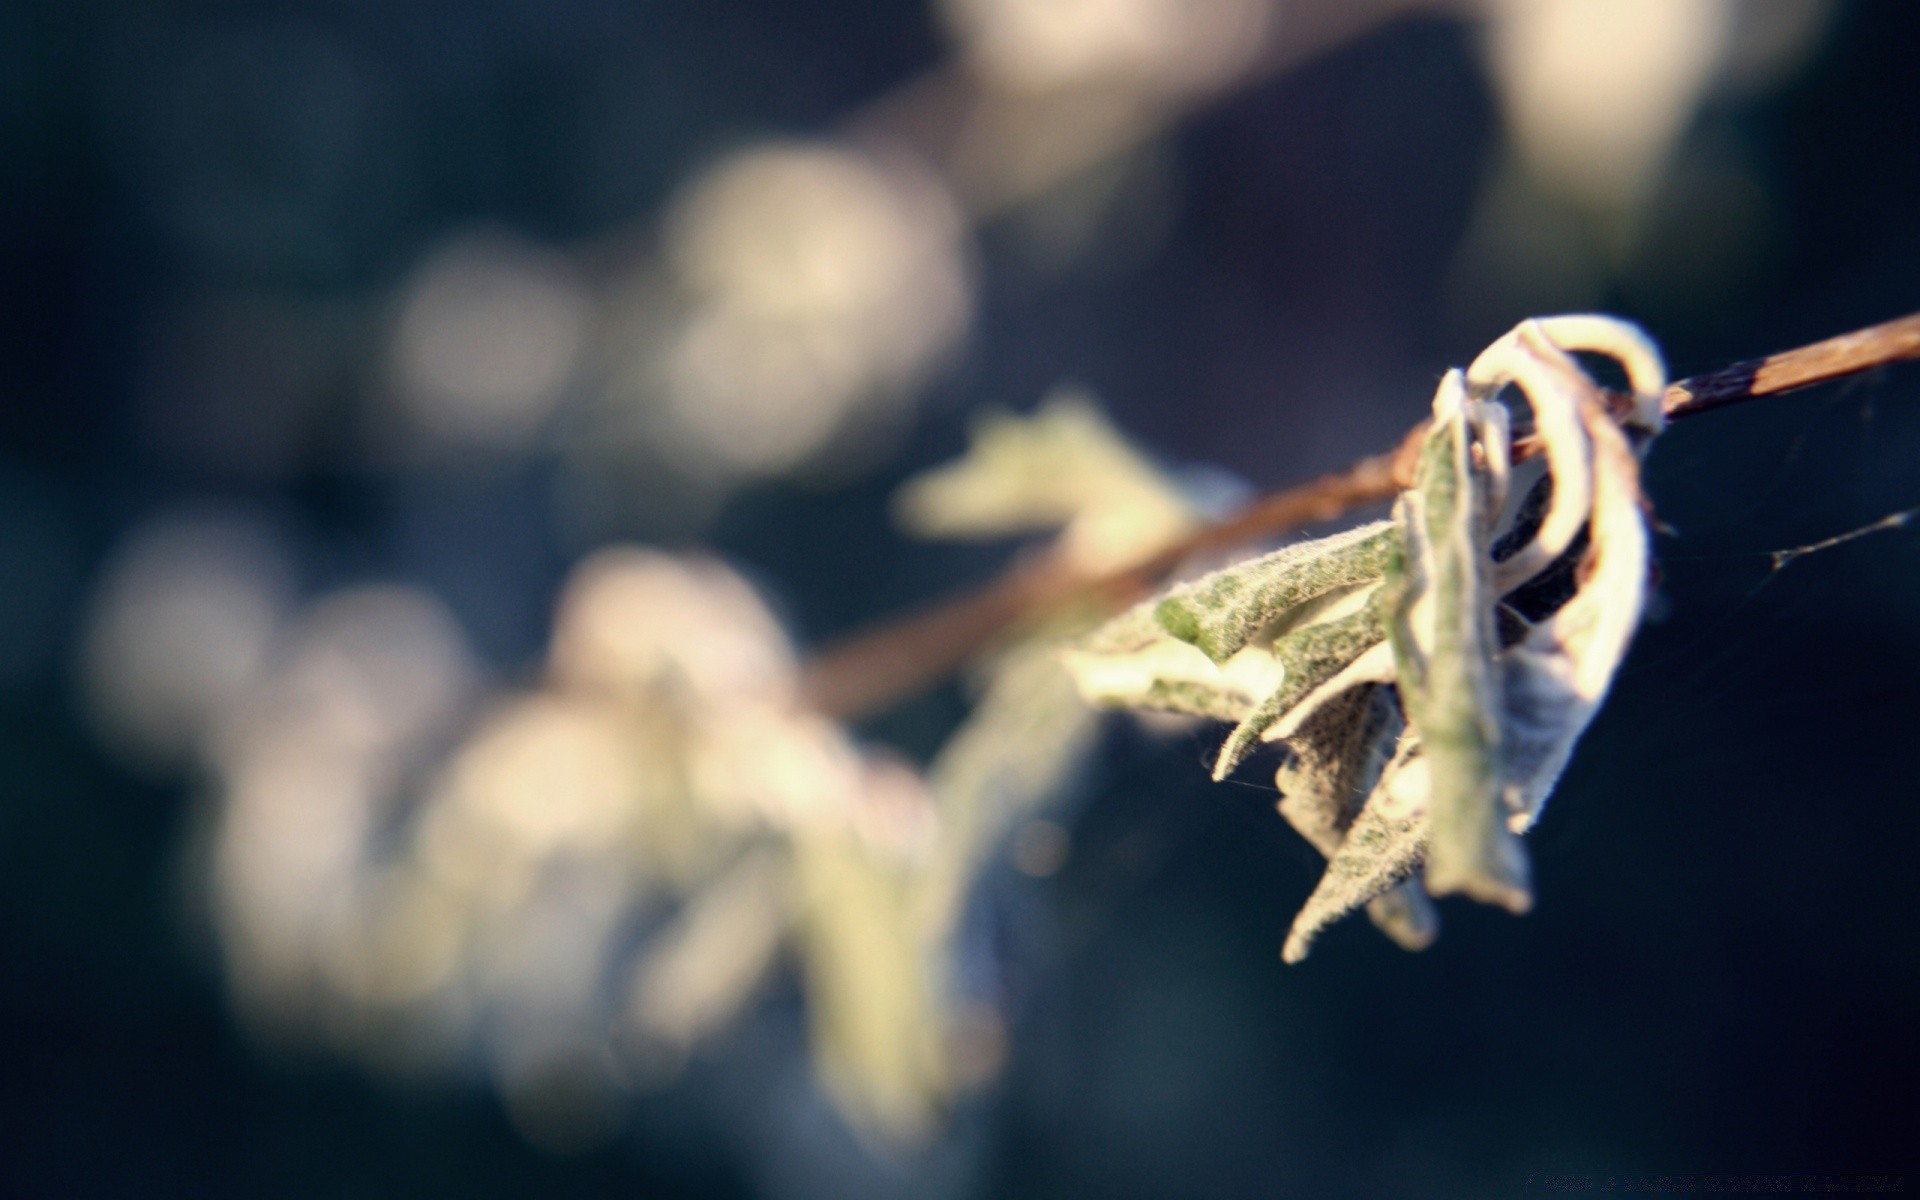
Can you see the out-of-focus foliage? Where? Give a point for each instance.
(818, 286)
(1065, 468)
(1602, 101)
(586, 879)
(1599, 93)
(1163, 46)
(1430, 687)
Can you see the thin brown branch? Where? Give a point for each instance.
(1789, 370)
(901, 657)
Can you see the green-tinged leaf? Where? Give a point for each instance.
(1229, 609)
(1309, 656)
(1247, 642)
(1133, 662)
(1381, 851)
(1444, 642)
(1335, 760)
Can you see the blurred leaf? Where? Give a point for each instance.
(698, 973)
(876, 1022)
(1064, 467)
(1026, 737)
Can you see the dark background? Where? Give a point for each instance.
(1720, 975)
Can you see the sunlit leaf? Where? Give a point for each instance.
(1309, 657)
(1554, 679)
(1444, 643)
(1256, 600)
(1133, 662)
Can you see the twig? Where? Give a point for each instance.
(1789, 370)
(898, 658)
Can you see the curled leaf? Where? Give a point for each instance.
(1555, 677)
(1552, 382)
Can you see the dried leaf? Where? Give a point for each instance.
(1551, 381)
(1556, 677)
(1582, 551)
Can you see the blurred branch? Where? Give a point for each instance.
(864, 673)
(896, 659)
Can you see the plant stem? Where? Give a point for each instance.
(895, 659)
(1790, 370)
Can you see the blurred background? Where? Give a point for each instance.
(339, 335)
